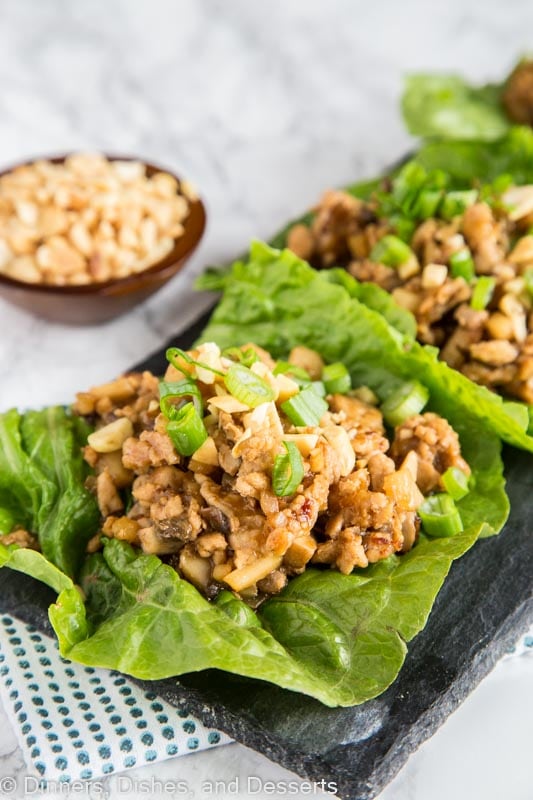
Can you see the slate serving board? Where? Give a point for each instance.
(486, 602)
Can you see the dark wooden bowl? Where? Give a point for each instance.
(100, 302)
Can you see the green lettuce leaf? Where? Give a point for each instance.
(341, 639)
(277, 301)
(42, 482)
(24, 490)
(376, 298)
(482, 162)
(446, 106)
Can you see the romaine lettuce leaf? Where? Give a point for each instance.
(376, 298)
(24, 490)
(446, 106)
(482, 162)
(338, 638)
(277, 301)
(42, 482)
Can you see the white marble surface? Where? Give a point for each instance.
(262, 106)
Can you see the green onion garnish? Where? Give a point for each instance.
(455, 203)
(427, 203)
(318, 387)
(482, 294)
(408, 401)
(455, 482)
(173, 353)
(288, 471)
(187, 430)
(298, 374)
(391, 251)
(7, 521)
(462, 265)
(246, 386)
(336, 378)
(403, 226)
(440, 516)
(246, 357)
(410, 179)
(172, 391)
(306, 408)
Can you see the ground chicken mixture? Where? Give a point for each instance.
(232, 514)
(483, 322)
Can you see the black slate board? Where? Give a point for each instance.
(486, 602)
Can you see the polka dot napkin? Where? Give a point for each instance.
(76, 722)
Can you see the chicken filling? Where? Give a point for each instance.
(270, 472)
(468, 278)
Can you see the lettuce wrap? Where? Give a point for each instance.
(341, 639)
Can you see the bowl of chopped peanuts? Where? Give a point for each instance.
(85, 237)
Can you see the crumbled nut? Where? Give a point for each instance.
(88, 219)
(22, 268)
(499, 326)
(406, 299)
(300, 241)
(522, 252)
(434, 275)
(111, 437)
(519, 200)
(495, 353)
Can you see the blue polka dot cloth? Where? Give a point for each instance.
(78, 723)
(524, 645)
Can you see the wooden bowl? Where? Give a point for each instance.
(99, 302)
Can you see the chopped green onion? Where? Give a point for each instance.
(248, 356)
(483, 291)
(336, 378)
(408, 401)
(306, 408)
(519, 412)
(491, 192)
(246, 386)
(440, 516)
(288, 471)
(318, 387)
(455, 481)
(7, 521)
(410, 178)
(391, 251)
(427, 203)
(455, 203)
(187, 430)
(462, 265)
(298, 374)
(415, 195)
(173, 353)
(403, 226)
(528, 279)
(170, 391)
